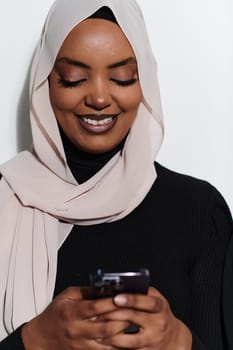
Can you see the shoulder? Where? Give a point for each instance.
(192, 196)
(177, 180)
(184, 186)
(194, 205)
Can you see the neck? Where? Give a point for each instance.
(84, 165)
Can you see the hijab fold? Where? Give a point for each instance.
(40, 198)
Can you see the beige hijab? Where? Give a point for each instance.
(38, 189)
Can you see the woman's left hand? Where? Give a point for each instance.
(159, 328)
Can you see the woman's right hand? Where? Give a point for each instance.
(71, 322)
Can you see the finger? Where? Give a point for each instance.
(154, 292)
(100, 330)
(92, 309)
(98, 345)
(147, 303)
(71, 304)
(93, 344)
(81, 332)
(70, 307)
(73, 293)
(126, 341)
(140, 318)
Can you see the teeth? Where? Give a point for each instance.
(97, 122)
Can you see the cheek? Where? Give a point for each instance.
(132, 101)
(64, 99)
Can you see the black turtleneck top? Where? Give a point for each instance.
(84, 165)
(180, 232)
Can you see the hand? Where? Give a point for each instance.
(159, 329)
(70, 322)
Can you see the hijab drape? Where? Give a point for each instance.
(40, 199)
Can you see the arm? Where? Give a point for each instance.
(71, 322)
(13, 341)
(207, 275)
(228, 296)
(68, 322)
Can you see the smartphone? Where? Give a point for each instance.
(108, 284)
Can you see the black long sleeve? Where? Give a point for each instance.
(180, 232)
(228, 296)
(13, 341)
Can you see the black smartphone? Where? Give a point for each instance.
(108, 284)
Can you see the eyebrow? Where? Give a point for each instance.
(72, 62)
(123, 62)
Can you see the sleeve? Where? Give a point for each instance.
(207, 275)
(197, 345)
(13, 341)
(228, 296)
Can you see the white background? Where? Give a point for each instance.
(193, 44)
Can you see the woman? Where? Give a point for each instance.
(90, 195)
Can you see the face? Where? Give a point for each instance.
(94, 87)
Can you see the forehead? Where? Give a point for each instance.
(96, 36)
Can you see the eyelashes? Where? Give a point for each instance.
(124, 82)
(71, 84)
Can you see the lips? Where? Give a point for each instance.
(97, 123)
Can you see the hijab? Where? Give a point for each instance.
(40, 198)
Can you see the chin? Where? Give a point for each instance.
(97, 148)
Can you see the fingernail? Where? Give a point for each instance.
(94, 318)
(120, 300)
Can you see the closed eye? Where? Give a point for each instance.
(69, 83)
(124, 82)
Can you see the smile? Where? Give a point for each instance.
(104, 121)
(97, 123)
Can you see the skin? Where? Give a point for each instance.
(70, 321)
(99, 46)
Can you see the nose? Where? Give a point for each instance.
(99, 96)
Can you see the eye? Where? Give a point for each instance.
(124, 82)
(69, 83)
